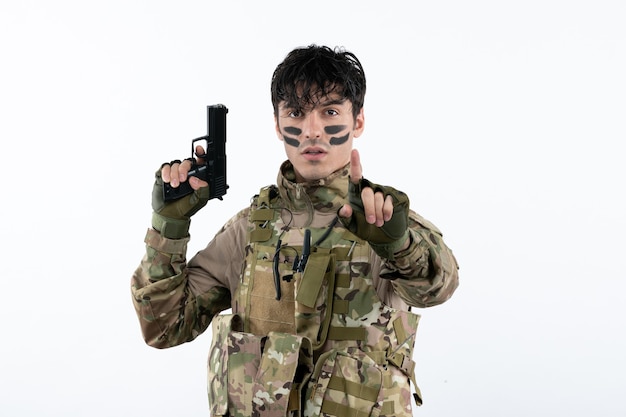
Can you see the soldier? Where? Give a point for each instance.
(320, 269)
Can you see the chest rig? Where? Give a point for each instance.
(316, 284)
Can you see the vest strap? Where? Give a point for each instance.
(387, 408)
(407, 366)
(347, 333)
(342, 281)
(354, 389)
(265, 196)
(398, 328)
(262, 214)
(403, 362)
(340, 410)
(341, 306)
(260, 235)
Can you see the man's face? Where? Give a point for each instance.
(318, 138)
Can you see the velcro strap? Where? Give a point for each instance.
(171, 228)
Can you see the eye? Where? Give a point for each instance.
(294, 113)
(332, 112)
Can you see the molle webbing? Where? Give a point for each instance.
(357, 390)
(319, 272)
(262, 215)
(332, 303)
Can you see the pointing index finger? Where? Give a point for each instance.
(200, 154)
(356, 170)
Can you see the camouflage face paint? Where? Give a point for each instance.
(293, 131)
(291, 141)
(333, 130)
(330, 130)
(336, 141)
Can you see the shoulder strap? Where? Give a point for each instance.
(261, 214)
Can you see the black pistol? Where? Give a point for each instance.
(213, 170)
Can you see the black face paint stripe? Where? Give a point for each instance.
(340, 140)
(291, 141)
(333, 130)
(328, 129)
(292, 130)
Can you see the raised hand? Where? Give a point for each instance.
(173, 218)
(175, 172)
(376, 213)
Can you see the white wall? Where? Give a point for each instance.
(504, 121)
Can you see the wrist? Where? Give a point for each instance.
(406, 244)
(389, 250)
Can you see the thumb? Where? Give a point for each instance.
(345, 211)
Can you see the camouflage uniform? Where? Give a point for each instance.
(338, 342)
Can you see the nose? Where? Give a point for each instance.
(312, 126)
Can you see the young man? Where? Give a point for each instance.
(319, 271)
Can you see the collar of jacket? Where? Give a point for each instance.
(323, 195)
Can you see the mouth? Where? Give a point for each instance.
(313, 153)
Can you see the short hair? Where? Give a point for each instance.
(310, 73)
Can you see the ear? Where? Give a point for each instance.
(280, 135)
(359, 123)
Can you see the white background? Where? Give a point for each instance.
(503, 120)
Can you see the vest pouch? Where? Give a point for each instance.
(345, 384)
(314, 297)
(253, 375)
(263, 313)
(233, 364)
(287, 361)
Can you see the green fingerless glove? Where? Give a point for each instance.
(172, 219)
(389, 238)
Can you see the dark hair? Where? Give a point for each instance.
(308, 74)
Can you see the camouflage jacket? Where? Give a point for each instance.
(176, 301)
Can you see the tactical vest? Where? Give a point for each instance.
(313, 339)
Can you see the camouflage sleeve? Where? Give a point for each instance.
(175, 302)
(426, 273)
